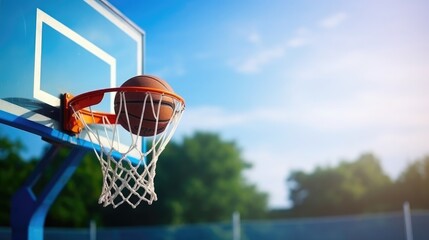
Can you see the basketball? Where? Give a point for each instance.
(135, 102)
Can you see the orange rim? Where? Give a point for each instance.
(81, 102)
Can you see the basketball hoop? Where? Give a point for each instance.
(128, 169)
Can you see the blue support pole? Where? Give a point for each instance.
(29, 211)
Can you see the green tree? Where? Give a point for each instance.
(198, 180)
(350, 187)
(413, 184)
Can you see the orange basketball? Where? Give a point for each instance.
(135, 102)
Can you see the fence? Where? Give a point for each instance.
(388, 226)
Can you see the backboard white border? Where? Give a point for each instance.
(128, 27)
(44, 18)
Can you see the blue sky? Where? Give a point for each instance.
(296, 84)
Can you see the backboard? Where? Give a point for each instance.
(51, 47)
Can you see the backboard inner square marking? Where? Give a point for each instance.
(44, 18)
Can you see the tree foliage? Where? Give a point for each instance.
(355, 187)
(413, 184)
(350, 187)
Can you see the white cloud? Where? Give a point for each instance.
(264, 56)
(333, 20)
(378, 111)
(301, 38)
(361, 88)
(208, 118)
(217, 118)
(256, 62)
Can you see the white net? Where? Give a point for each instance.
(128, 160)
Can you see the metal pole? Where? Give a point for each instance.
(236, 226)
(92, 230)
(407, 219)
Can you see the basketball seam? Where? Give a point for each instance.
(148, 101)
(138, 117)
